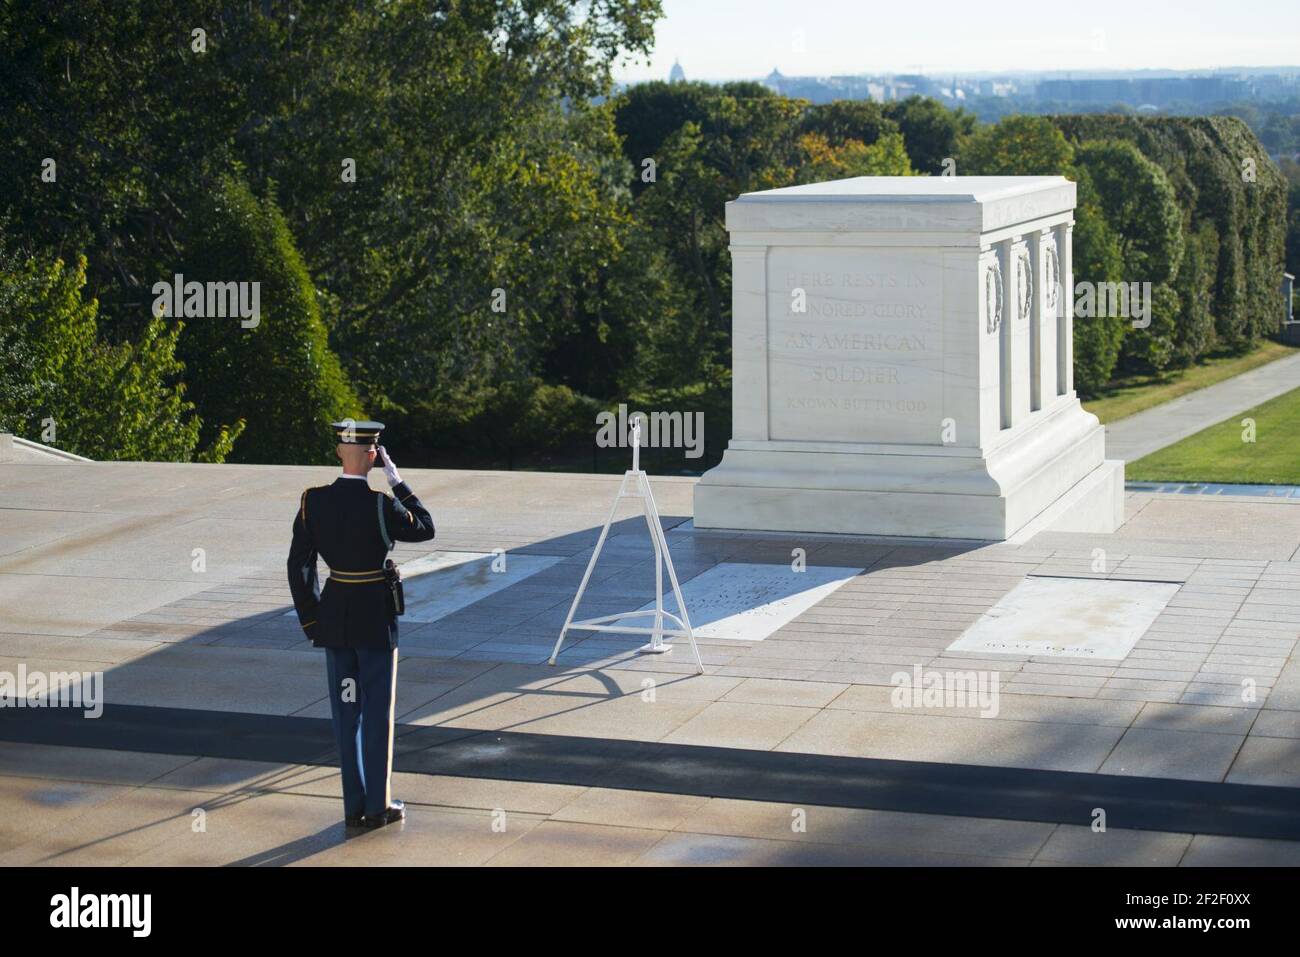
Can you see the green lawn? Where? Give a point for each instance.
(1136, 393)
(1218, 454)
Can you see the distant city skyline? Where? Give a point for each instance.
(747, 39)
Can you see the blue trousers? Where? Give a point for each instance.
(363, 689)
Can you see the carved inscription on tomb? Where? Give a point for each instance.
(855, 350)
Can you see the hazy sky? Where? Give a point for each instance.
(717, 39)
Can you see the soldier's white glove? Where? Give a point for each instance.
(390, 470)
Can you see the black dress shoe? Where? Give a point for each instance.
(354, 820)
(394, 812)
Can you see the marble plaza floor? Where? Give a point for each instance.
(170, 580)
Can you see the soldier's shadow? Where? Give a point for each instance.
(297, 850)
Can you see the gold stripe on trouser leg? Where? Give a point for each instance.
(392, 706)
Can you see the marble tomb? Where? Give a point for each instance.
(902, 364)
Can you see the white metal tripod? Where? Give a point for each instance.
(657, 631)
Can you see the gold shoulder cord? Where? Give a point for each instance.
(302, 503)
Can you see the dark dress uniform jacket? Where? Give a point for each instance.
(342, 523)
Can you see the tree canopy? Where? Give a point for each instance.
(460, 226)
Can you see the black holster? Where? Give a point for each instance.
(396, 597)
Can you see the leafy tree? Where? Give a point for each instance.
(647, 114)
(1222, 176)
(741, 138)
(931, 131)
(885, 157)
(843, 120)
(23, 387)
(1152, 346)
(1032, 145)
(448, 204)
(1140, 206)
(471, 246)
(113, 94)
(104, 401)
(1291, 170)
(1097, 260)
(275, 370)
(1016, 146)
(685, 211)
(486, 273)
(1194, 330)
(667, 344)
(138, 372)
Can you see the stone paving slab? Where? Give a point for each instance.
(96, 577)
(1114, 847)
(267, 814)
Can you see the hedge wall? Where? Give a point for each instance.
(1233, 200)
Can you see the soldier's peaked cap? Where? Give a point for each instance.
(350, 432)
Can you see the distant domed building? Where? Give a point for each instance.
(774, 80)
(676, 74)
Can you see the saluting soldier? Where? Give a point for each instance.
(353, 527)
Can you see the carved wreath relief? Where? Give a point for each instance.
(1024, 285)
(993, 296)
(1052, 264)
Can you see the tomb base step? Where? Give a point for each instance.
(1062, 482)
